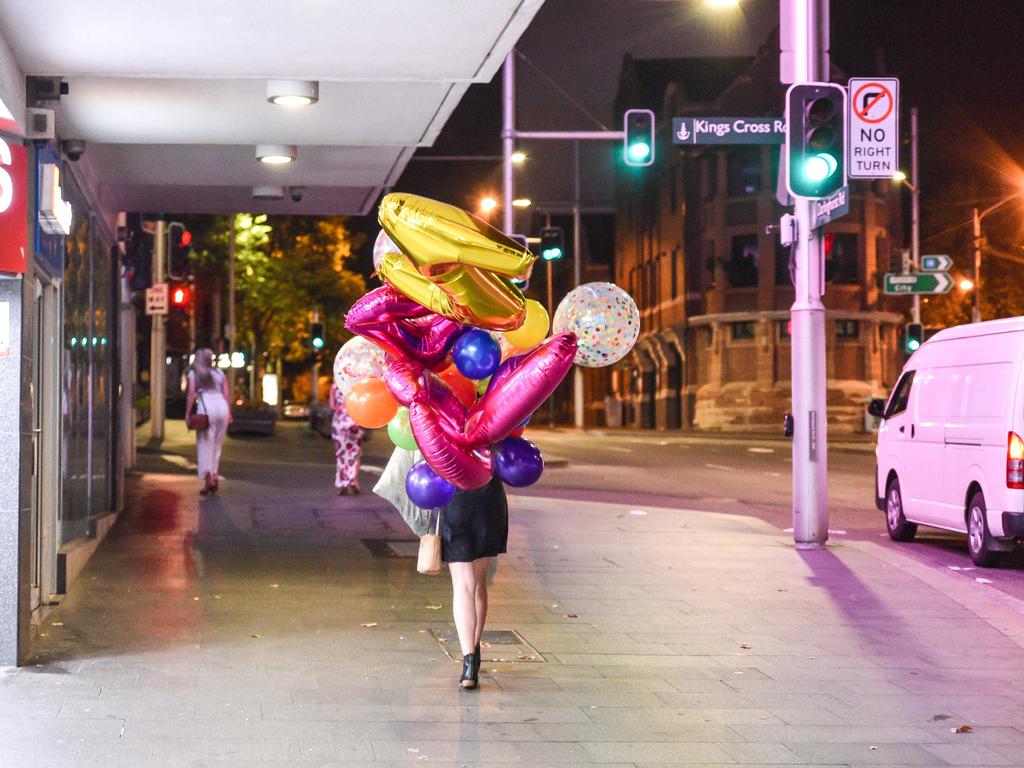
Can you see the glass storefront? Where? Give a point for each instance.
(90, 313)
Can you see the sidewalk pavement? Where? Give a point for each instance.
(274, 625)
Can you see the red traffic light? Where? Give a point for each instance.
(186, 238)
(179, 297)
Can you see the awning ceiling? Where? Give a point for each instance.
(171, 97)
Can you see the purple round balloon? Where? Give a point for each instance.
(476, 354)
(518, 461)
(427, 489)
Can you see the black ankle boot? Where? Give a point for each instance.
(470, 664)
(476, 665)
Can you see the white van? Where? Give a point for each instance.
(951, 442)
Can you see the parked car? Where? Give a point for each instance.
(951, 442)
(252, 417)
(295, 410)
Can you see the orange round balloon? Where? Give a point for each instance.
(370, 404)
(464, 389)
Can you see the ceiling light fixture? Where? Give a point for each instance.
(268, 193)
(275, 154)
(293, 93)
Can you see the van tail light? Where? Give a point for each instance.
(1014, 461)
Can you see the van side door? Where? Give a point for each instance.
(926, 445)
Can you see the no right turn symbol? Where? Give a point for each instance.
(873, 102)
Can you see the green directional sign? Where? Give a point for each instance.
(938, 262)
(918, 282)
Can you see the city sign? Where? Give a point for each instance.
(54, 210)
(939, 262)
(918, 282)
(830, 208)
(13, 207)
(873, 128)
(728, 130)
(156, 299)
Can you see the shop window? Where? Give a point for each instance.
(847, 330)
(743, 331)
(841, 258)
(742, 267)
(743, 167)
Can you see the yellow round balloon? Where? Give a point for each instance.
(534, 328)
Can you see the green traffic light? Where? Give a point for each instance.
(912, 345)
(820, 166)
(639, 150)
(318, 343)
(550, 254)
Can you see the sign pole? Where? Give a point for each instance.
(807, 21)
(915, 208)
(158, 341)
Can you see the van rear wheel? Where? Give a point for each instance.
(979, 540)
(895, 522)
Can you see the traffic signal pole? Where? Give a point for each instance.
(158, 340)
(509, 135)
(804, 24)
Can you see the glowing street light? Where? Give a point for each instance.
(522, 202)
(518, 157)
(966, 284)
(722, 4)
(488, 204)
(899, 176)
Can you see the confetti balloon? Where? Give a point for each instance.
(357, 359)
(604, 319)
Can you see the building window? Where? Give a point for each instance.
(841, 258)
(743, 331)
(782, 276)
(709, 176)
(743, 167)
(742, 267)
(785, 329)
(848, 330)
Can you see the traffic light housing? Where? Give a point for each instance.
(179, 249)
(815, 139)
(638, 141)
(179, 296)
(552, 243)
(316, 336)
(913, 337)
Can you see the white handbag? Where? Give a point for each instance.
(391, 487)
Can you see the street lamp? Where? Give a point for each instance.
(488, 204)
(976, 312)
(518, 157)
(965, 284)
(899, 177)
(522, 202)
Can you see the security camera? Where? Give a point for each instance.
(296, 193)
(73, 148)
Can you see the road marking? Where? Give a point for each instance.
(761, 450)
(719, 466)
(831, 531)
(616, 448)
(637, 512)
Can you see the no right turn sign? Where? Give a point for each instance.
(872, 149)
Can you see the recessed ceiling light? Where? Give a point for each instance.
(275, 154)
(293, 93)
(268, 193)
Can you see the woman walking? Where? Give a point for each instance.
(474, 528)
(208, 388)
(346, 435)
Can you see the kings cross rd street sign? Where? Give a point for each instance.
(728, 130)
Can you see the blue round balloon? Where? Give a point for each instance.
(518, 461)
(427, 489)
(476, 354)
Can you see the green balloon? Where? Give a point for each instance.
(481, 385)
(400, 431)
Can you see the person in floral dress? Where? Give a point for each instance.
(347, 452)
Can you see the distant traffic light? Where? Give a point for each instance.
(179, 296)
(913, 337)
(316, 335)
(180, 249)
(815, 139)
(638, 144)
(552, 243)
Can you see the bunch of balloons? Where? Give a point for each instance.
(451, 356)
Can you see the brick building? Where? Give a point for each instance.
(713, 287)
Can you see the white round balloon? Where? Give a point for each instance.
(357, 359)
(604, 319)
(381, 246)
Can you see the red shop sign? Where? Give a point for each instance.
(13, 206)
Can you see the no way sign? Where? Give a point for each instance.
(872, 148)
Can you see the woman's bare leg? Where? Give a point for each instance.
(480, 595)
(464, 592)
